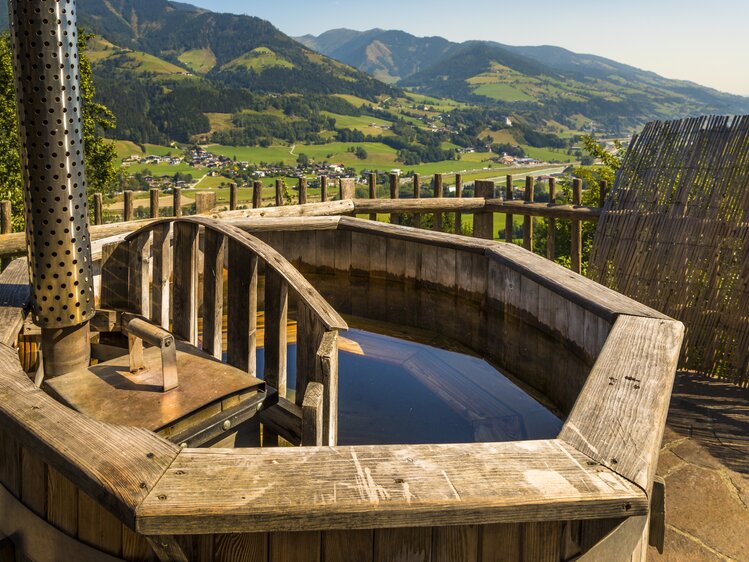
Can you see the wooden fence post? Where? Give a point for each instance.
(302, 190)
(603, 188)
(417, 195)
(509, 219)
(128, 206)
(177, 195)
(438, 193)
(395, 182)
(530, 187)
(279, 193)
(576, 238)
(373, 192)
(257, 194)
(323, 189)
(483, 222)
(551, 233)
(232, 196)
(155, 192)
(459, 195)
(312, 415)
(347, 188)
(205, 201)
(98, 208)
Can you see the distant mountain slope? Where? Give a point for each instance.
(550, 82)
(387, 55)
(241, 50)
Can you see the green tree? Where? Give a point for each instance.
(608, 164)
(100, 153)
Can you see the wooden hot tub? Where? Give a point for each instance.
(78, 489)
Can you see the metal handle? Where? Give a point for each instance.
(139, 330)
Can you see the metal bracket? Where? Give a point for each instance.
(225, 421)
(139, 330)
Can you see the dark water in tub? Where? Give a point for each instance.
(404, 378)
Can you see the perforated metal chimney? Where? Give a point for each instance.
(45, 47)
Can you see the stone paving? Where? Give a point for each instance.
(705, 463)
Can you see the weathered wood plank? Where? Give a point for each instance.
(501, 542)
(456, 544)
(383, 486)
(162, 273)
(97, 527)
(345, 546)
(116, 465)
(275, 334)
(246, 547)
(115, 258)
(214, 255)
(186, 281)
(295, 547)
(483, 222)
(312, 420)
(619, 417)
(411, 544)
(242, 319)
(327, 375)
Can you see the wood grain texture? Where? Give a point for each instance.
(247, 547)
(97, 527)
(161, 276)
(295, 547)
(242, 313)
(312, 419)
(117, 466)
(275, 334)
(501, 542)
(139, 284)
(455, 544)
(367, 487)
(619, 417)
(409, 544)
(591, 296)
(344, 546)
(214, 254)
(327, 375)
(297, 282)
(115, 259)
(185, 296)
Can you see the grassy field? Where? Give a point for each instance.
(548, 154)
(365, 123)
(127, 148)
(258, 60)
(200, 61)
(159, 170)
(353, 100)
(502, 92)
(220, 121)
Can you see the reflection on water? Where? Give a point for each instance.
(409, 370)
(394, 391)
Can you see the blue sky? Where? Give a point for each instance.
(706, 42)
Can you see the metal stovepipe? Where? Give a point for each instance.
(47, 76)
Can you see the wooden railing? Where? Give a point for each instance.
(487, 201)
(173, 247)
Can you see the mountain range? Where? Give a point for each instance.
(172, 71)
(552, 81)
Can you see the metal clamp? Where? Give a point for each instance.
(139, 330)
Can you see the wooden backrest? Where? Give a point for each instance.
(675, 235)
